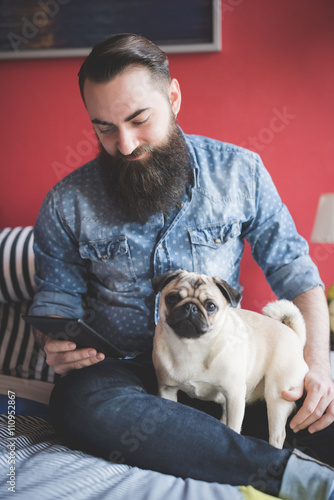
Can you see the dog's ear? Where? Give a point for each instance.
(159, 282)
(231, 294)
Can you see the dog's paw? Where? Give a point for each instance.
(168, 393)
(277, 439)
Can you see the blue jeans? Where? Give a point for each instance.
(111, 410)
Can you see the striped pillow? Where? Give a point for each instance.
(17, 264)
(20, 356)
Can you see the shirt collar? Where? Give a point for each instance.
(194, 163)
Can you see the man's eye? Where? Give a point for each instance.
(106, 131)
(141, 122)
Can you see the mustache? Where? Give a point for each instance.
(145, 148)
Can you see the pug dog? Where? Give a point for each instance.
(210, 349)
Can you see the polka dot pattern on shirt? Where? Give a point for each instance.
(92, 263)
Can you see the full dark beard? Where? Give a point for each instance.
(143, 188)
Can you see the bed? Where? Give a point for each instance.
(34, 463)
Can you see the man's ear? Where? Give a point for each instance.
(231, 294)
(159, 282)
(174, 94)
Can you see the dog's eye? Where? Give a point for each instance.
(210, 306)
(172, 299)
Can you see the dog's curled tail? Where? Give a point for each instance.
(287, 313)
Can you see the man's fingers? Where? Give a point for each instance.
(317, 411)
(64, 368)
(323, 422)
(304, 417)
(312, 412)
(293, 394)
(54, 346)
(63, 356)
(306, 413)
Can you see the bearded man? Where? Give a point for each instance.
(154, 200)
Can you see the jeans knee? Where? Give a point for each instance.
(80, 398)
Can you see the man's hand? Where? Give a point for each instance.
(63, 356)
(317, 411)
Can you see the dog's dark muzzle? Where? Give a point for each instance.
(188, 321)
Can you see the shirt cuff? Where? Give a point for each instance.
(297, 277)
(305, 478)
(57, 304)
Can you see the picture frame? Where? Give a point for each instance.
(69, 28)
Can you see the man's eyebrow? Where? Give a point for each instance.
(97, 121)
(136, 113)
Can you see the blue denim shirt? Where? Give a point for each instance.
(92, 263)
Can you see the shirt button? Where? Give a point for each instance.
(218, 240)
(105, 256)
(160, 247)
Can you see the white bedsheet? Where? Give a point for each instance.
(47, 470)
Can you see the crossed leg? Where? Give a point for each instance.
(111, 410)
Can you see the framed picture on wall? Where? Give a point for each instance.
(69, 28)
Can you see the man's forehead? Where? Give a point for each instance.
(127, 92)
(136, 82)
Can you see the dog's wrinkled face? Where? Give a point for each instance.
(190, 302)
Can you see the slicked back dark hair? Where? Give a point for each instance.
(114, 54)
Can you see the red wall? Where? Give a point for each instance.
(271, 89)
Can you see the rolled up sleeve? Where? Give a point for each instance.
(277, 247)
(61, 274)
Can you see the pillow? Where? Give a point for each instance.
(20, 356)
(17, 264)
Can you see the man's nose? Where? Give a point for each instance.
(127, 142)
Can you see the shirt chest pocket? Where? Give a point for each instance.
(216, 248)
(110, 263)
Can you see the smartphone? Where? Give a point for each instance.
(75, 330)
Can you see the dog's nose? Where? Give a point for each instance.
(191, 308)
